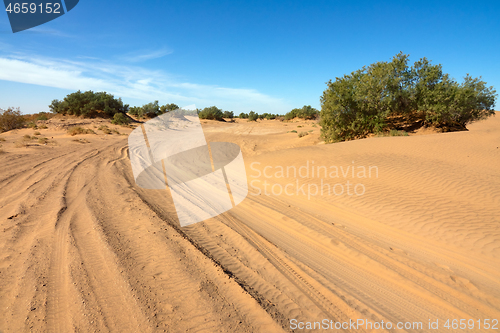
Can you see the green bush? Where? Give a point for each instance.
(211, 113)
(306, 112)
(301, 134)
(253, 116)
(168, 107)
(88, 104)
(151, 110)
(228, 114)
(366, 100)
(243, 115)
(120, 119)
(42, 116)
(11, 119)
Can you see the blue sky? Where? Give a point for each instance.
(266, 56)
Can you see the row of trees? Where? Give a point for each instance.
(90, 104)
(370, 99)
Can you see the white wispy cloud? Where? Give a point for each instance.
(131, 82)
(143, 56)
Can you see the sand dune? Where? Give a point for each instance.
(83, 248)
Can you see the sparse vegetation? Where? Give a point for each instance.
(23, 142)
(11, 119)
(369, 99)
(79, 130)
(105, 129)
(302, 134)
(81, 140)
(37, 133)
(42, 126)
(43, 140)
(292, 131)
(393, 132)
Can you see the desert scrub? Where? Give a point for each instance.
(292, 131)
(43, 141)
(37, 133)
(11, 119)
(302, 134)
(81, 140)
(42, 126)
(393, 132)
(79, 130)
(105, 129)
(22, 143)
(2, 140)
(27, 137)
(298, 126)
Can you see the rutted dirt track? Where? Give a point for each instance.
(82, 252)
(83, 249)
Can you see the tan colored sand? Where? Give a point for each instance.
(82, 248)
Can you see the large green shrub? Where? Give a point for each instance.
(366, 100)
(88, 104)
(243, 115)
(11, 119)
(212, 113)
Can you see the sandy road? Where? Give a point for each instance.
(84, 249)
(80, 251)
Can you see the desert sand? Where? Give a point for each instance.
(84, 249)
